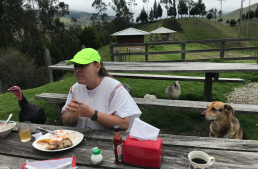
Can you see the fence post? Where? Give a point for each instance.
(256, 56)
(146, 50)
(129, 55)
(182, 50)
(48, 63)
(1, 90)
(222, 49)
(83, 47)
(112, 52)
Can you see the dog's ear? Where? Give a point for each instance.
(229, 108)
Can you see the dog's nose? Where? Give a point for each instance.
(202, 116)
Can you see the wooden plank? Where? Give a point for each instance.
(176, 148)
(185, 51)
(169, 77)
(164, 104)
(199, 60)
(222, 52)
(189, 42)
(169, 67)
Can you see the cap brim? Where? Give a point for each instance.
(79, 61)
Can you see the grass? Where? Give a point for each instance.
(168, 121)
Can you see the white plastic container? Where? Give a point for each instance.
(96, 157)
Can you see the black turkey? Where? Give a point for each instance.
(29, 111)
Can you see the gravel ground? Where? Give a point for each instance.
(248, 94)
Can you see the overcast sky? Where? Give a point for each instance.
(227, 5)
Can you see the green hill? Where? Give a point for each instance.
(236, 14)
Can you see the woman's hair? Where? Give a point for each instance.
(103, 71)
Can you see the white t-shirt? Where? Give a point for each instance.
(110, 98)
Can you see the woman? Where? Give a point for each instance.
(97, 100)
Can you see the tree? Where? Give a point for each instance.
(190, 5)
(137, 19)
(199, 7)
(251, 14)
(220, 13)
(232, 22)
(173, 24)
(151, 15)
(121, 9)
(49, 12)
(221, 5)
(172, 10)
(227, 22)
(155, 10)
(73, 20)
(209, 16)
(256, 12)
(243, 17)
(146, 1)
(215, 13)
(132, 3)
(220, 20)
(101, 7)
(182, 8)
(166, 4)
(160, 10)
(143, 16)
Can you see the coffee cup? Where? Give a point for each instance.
(200, 160)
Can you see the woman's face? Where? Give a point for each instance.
(86, 74)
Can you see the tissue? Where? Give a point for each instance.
(143, 131)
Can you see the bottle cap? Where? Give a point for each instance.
(96, 151)
(116, 128)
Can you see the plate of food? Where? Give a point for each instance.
(61, 140)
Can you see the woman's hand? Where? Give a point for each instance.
(80, 109)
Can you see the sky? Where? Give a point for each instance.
(227, 5)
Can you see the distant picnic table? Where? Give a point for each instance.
(211, 70)
(228, 153)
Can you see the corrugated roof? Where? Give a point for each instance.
(129, 32)
(163, 30)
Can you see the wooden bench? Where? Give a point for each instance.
(180, 78)
(60, 99)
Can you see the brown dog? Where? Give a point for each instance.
(223, 123)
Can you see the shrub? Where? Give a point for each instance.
(17, 69)
(232, 22)
(173, 24)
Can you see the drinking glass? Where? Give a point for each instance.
(25, 131)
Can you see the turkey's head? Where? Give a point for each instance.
(16, 91)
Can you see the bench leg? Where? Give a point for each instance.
(208, 87)
(58, 108)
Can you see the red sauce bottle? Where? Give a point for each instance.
(118, 146)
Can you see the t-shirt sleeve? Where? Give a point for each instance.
(123, 105)
(68, 100)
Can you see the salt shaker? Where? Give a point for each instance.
(96, 157)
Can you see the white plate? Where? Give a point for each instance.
(74, 136)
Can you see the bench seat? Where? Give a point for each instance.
(180, 78)
(165, 104)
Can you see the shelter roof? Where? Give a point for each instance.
(162, 30)
(130, 32)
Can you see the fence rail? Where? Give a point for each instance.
(183, 43)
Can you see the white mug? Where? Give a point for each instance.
(207, 160)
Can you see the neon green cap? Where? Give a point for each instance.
(85, 56)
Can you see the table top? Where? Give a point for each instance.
(228, 153)
(168, 67)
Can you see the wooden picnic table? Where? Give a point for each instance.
(211, 70)
(228, 153)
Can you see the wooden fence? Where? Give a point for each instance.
(183, 51)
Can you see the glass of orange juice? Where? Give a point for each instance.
(25, 131)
